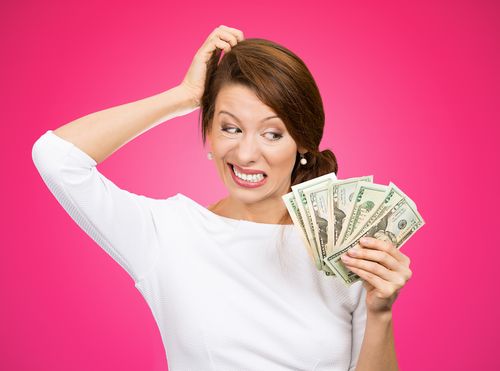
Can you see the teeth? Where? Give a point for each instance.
(249, 177)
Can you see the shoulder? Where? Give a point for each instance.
(169, 205)
(179, 208)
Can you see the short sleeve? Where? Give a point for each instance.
(358, 327)
(120, 222)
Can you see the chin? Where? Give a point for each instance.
(247, 196)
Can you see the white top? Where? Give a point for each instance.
(224, 296)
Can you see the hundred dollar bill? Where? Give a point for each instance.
(293, 210)
(397, 225)
(298, 191)
(318, 202)
(342, 198)
(367, 197)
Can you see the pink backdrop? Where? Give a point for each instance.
(411, 96)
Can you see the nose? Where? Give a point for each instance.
(248, 151)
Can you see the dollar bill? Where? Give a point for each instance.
(392, 197)
(298, 191)
(333, 214)
(318, 201)
(293, 210)
(342, 198)
(367, 198)
(396, 225)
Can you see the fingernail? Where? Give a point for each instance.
(364, 240)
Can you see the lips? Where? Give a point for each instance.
(247, 171)
(246, 183)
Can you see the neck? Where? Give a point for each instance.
(269, 211)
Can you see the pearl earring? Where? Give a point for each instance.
(303, 160)
(210, 155)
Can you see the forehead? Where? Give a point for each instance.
(242, 102)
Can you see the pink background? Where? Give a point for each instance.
(411, 96)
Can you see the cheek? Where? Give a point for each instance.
(221, 149)
(222, 146)
(282, 158)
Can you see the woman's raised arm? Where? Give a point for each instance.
(101, 133)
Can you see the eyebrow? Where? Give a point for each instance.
(237, 119)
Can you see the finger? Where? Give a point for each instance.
(374, 243)
(227, 36)
(374, 280)
(238, 33)
(385, 259)
(381, 257)
(370, 266)
(221, 44)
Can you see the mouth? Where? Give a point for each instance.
(248, 178)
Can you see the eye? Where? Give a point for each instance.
(230, 129)
(274, 136)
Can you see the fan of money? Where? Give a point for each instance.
(333, 214)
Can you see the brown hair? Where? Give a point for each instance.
(281, 80)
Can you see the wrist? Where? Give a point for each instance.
(379, 316)
(175, 102)
(189, 95)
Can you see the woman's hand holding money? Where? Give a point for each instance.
(384, 270)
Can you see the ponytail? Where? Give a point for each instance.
(318, 163)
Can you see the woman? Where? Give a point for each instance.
(228, 291)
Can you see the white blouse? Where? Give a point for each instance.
(226, 295)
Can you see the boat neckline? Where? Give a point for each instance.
(232, 220)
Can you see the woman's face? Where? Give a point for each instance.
(247, 134)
